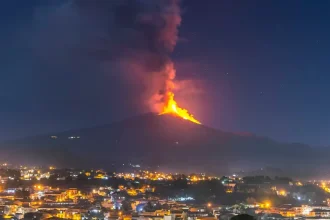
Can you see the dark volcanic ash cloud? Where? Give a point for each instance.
(125, 38)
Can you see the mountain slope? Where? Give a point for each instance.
(168, 141)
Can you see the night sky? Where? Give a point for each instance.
(248, 66)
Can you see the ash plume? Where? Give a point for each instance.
(126, 38)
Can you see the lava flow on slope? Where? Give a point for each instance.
(171, 107)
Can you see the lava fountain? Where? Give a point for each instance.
(171, 107)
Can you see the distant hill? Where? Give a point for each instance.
(166, 141)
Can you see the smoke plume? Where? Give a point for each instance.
(127, 38)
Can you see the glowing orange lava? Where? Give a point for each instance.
(171, 107)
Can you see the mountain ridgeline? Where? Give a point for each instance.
(166, 141)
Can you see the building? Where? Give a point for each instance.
(320, 213)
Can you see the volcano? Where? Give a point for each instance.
(165, 141)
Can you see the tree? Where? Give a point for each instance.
(165, 206)
(206, 190)
(68, 179)
(52, 179)
(116, 182)
(243, 217)
(148, 207)
(251, 200)
(180, 183)
(82, 177)
(126, 205)
(283, 180)
(158, 206)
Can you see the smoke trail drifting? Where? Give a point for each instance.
(129, 38)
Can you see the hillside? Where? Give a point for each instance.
(165, 141)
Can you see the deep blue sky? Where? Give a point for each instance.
(262, 65)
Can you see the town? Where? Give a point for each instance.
(57, 193)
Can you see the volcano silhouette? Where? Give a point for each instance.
(159, 141)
